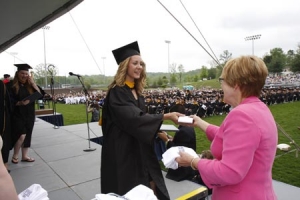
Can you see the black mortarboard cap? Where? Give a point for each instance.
(126, 51)
(6, 75)
(23, 67)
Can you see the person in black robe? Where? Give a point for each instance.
(128, 158)
(5, 122)
(23, 115)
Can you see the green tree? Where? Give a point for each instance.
(188, 78)
(180, 72)
(195, 79)
(159, 81)
(165, 81)
(87, 85)
(276, 60)
(277, 66)
(173, 79)
(225, 57)
(295, 62)
(148, 81)
(289, 57)
(203, 72)
(219, 70)
(211, 73)
(154, 84)
(267, 59)
(173, 68)
(40, 72)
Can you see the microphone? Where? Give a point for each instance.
(72, 74)
(51, 68)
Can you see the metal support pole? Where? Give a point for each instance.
(168, 42)
(253, 37)
(45, 63)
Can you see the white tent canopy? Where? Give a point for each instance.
(20, 18)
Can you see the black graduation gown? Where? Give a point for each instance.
(23, 116)
(128, 157)
(5, 126)
(2, 106)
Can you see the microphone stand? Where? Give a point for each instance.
(87, 116)
(53, 102)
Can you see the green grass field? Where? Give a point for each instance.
(286, 166)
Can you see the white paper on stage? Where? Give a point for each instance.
(137, 193)
(168, 127)
(34, 192)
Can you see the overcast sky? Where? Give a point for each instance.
(78, 41)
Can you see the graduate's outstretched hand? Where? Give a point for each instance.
(172, 116)
(197, 122)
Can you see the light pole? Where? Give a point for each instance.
(103, 58)
(168, 42)
(253, 37)
(45, 63)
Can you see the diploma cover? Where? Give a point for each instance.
(33, 97)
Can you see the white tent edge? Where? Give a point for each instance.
(18, 19)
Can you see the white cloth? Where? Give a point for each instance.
(106, 197)
(284, 147)
(139, 192)
(172, 153)
(34, 192)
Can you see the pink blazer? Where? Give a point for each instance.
(244, 147)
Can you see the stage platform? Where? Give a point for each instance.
(67, 172)
(56, 119)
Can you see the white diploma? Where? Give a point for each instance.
(185, 119)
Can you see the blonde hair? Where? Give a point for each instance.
(120, 77)
(16, 86)
(248, 72)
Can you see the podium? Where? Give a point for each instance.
(59, 121)
(44, 112)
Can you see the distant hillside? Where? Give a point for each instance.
(157, 74)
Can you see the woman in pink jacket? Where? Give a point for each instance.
(244, 146)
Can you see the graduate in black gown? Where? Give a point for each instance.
(23, 115)
(5, 122)
(128, 157)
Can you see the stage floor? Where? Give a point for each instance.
(66, 171)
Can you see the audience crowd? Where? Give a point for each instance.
(203, 102)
